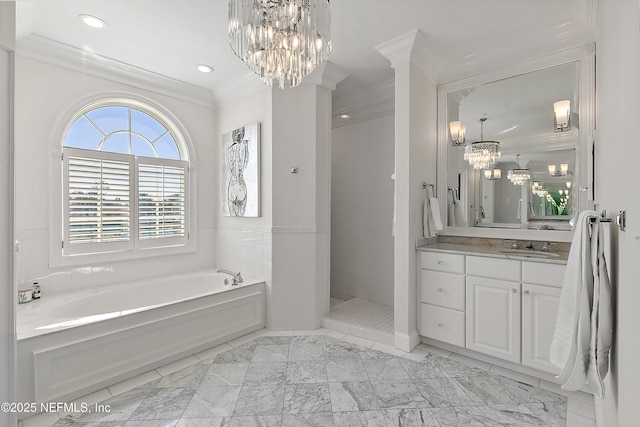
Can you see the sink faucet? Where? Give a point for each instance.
(235, 277)
(529, 246)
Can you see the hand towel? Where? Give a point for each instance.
(435, 221)
(572, 336)
(461, 220)
(451, 208)
(601, 316)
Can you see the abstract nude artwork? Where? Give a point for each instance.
(241, 183)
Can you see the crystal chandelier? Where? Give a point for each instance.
(280, 40)
(482, 154)
(519, 176)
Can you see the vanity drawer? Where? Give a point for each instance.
(543, 273)
(442, 324)
(451, 263)
(443, 289)
(495, 268)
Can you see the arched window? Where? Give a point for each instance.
(125, 179)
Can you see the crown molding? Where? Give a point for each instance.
(369, 103)
(414, 47)
(326, 75)
(65, 56)
(565, 42)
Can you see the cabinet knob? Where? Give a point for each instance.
(440, 325)
(514, 290)
(440, 290)
(440, 262)
(526, 292)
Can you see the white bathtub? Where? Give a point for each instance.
(73, 344)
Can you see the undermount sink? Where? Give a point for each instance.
(528, 252)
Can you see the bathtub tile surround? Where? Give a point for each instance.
(325, 380)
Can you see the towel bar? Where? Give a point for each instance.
(620, 219)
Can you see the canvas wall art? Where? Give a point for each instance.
(241, 171)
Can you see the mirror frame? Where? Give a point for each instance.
(584, 57)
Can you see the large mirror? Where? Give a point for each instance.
(512, 151)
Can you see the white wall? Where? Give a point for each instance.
(46, 97)
(617, 154)
(7, 290)
(362, 161)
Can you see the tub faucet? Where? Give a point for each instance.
(235, 277)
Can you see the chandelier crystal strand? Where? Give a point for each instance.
(280, 40)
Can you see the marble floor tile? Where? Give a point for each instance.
(266, 373)
(308, 420)
(307, 371)
(189, 377)
(385, 369)
(163, 404)
(241, 354)
(486, 389)
(359, 419)
(444, 392)
(352, 396)
(320, 380)
(306, 398)
(306, 351)
(271, 352)
(346, 369)
(410, 417)
(212, 402)
(398, 395)
(256, 421)
(220, 374)
(204, 422)
(260, 400)
(471, 416)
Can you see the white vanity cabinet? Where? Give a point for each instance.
(493, 307)
(541, 287)
(501, 307)
(442, 299)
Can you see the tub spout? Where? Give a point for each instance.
(235, 277)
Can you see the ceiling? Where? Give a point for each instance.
(170, 37)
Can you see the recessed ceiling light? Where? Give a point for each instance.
(204, 68)
(344, 116)
(92, 21)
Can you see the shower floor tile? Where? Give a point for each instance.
(322, 381)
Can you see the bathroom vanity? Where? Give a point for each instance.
(491, 299)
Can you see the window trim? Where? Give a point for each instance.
(57, 258)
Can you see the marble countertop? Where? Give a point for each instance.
(551, 257)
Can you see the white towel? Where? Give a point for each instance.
(582, 335)
(461, 220)
(451, 208)
(601, 316)
(435, 221)
(431, 221)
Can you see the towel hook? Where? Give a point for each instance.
(620, 219)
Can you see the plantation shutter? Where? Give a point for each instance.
(161, 199)
(98, 198)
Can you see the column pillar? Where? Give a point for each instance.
(301, 202)
(415, 162)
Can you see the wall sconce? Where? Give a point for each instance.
(554, 171)
(458, 131)
(568, 184)
(562, 115)
(492, 174)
